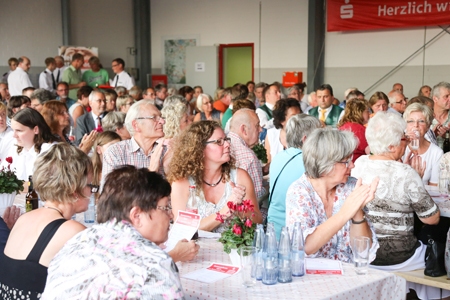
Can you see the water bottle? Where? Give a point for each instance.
(270, 257)
(298, 251)
(284, 257)
(258, 243)
(89, 214)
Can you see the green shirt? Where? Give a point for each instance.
(72, 76)
(93, 78)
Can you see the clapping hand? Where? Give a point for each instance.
(10, 216)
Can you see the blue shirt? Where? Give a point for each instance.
(293, 170)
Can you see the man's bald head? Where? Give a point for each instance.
(245, 123)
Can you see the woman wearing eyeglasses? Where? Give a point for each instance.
(62, 178)
(119, 258)
(400, 194)
(424, 159)
(327, 202)
(202, 158)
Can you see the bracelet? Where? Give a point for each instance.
(359, 222)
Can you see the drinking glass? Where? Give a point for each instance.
(360, 248)
(71, 134)
(248, 256)
(414, 145)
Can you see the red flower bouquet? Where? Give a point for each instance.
(9, 183)
(240, 228)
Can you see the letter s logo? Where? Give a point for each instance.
(347, 11)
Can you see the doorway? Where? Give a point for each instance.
(236, 64)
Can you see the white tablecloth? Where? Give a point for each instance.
(375, 285)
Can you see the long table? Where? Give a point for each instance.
(375, 285)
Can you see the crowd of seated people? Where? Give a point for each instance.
(333, 166)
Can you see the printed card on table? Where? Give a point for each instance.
(323, 266)
(212, 273)
(185, 226)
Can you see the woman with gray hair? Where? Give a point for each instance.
(425, 159)
(287, 166)
(114, 121)
(399, 195)
(327, 201)
(206, 109)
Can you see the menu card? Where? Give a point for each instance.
(212, 273)
(323, 266)
(184, 227)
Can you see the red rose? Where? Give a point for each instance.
(237, 229)
(9, 160)
(230, 205)
(240, 208)
(248, 223)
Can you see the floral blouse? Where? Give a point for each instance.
(112, 261)
(304, 205)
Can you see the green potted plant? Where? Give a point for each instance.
(10, 185)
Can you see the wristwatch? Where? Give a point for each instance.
(361, 221)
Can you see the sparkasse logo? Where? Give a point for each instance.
(346, 10)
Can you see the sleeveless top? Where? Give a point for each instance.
(72, 108)
(215, 115)
(206, 208)
(25, 279)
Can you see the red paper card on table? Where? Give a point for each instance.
(323, 266)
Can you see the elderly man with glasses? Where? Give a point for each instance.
(397, 102)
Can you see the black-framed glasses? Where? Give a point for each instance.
(94, 187)
(167, 209)
(155, 118)
(346, 163)
(401, 101)
(219, 142)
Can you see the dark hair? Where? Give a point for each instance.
(354, 94)
(16, 102)
(62, 83)
(418, 99)
(77, 56)
(325, 86)
(84, 91)
(49, 60)
(267, 88)
(42, 95)
(128, 187)
(31, 118)
(250, 82)
(280, 110)
(185, 90)
(30, 88)
(301, 86)
(120, 62)
(159, 87)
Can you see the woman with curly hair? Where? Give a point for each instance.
(202, 159)
(276, 137)
(356, 116)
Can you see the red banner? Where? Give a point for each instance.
(345, 15)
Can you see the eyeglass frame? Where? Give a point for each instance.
(346, 163)
(167, 209)
(420, 122)
(94, 187)
(156, 118)
(217, 141)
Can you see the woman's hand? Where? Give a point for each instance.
(184, 251)
(10, 216)
(361, 195)
(237, 193)
(415, 161)
(88, 141)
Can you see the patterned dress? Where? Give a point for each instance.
(112, 261)
(304, 205)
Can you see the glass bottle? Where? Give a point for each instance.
(31, 198)
(258, 243)
(270, 256)
(284, 257)
(89, 214)
(298, 251)
(446, 145)
(191, 206)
